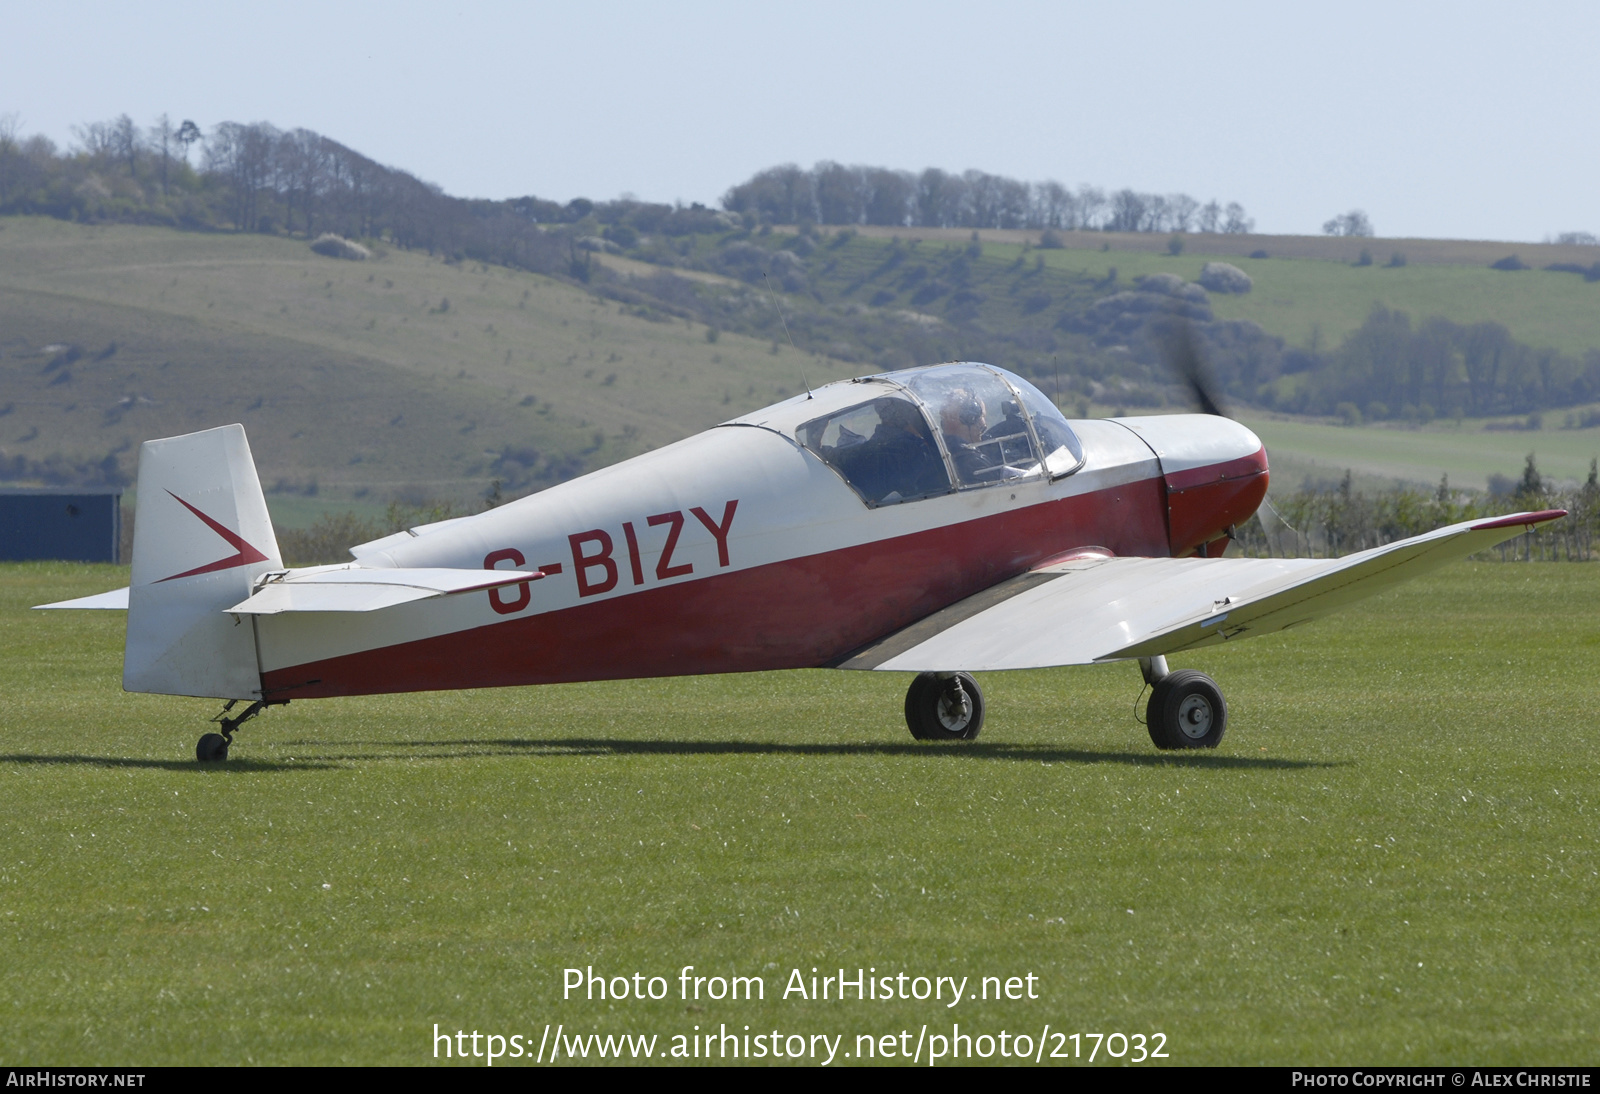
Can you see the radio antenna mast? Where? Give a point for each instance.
(779, 309)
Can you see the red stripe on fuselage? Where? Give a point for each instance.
(798, 613)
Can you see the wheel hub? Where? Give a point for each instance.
(1194, 717)
(955, 708)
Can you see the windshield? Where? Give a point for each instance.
(1063, 452)
(968, 424)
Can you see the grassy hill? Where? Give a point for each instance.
(862, 289)
(1316, 303)
(404, 374)
(1309, 291)
(410, 377)
(1094, 316)
(1426, 252)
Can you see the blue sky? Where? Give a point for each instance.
(1464, 120)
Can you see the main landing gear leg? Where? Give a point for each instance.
(213, 747)
(1186, 708)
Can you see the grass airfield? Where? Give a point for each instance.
(1391, 859)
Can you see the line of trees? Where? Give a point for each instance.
(1332, 520)
(1390, 368)
(258, 178)
(836, 194)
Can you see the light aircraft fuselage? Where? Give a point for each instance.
(745, 548)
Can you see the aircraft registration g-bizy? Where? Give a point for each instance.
(940, 520)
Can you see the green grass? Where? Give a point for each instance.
(1391, 859)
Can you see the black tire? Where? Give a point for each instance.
(944, 707)
(1186, 710)
(213, 748)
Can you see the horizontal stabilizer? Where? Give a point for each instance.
(116, 599)
(367, 589)
(1109, 609)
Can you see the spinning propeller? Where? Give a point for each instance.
(1182, 355)
(1181, 350)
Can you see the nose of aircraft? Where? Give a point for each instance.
(1216, 476)
(1194, 442)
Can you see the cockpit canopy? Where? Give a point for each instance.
(918, 432)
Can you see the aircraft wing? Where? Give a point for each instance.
(366, 589)
(1109, 609)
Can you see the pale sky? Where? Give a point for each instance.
(1465, 119)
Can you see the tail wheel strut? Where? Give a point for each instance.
(213, 747)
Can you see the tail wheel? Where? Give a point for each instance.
(944, 707)
(213, 748)
(1186, 710)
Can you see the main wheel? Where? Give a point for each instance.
(213, 747)
(1186, 710)
(944, 707)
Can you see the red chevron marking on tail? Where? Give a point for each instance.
(246, 554)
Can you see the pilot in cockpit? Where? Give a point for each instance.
(962, 421)
(1011, 425)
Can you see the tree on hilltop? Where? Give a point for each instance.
(188, 133)
(1353, 223)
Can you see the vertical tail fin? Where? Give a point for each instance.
(202, 538)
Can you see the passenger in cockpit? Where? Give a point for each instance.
(899, 460)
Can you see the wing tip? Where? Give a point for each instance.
(1542, 516)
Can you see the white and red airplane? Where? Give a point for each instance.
(940, 520)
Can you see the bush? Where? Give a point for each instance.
(1590, 273)
(1175, 246)
(331, 246)
(327, 540)
(1220, 277)
(622, 235)
(1509, 262)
